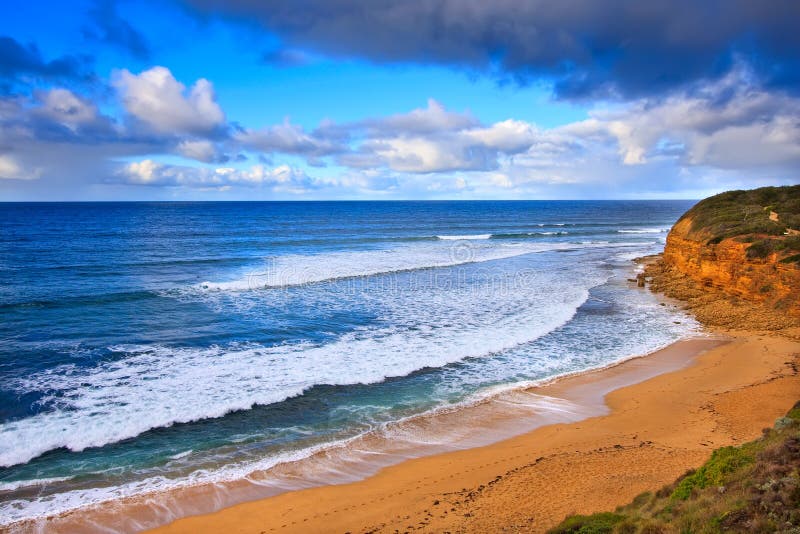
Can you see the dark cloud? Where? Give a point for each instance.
(587, 47)
(109, 28)
(59, 116)
(17, 60)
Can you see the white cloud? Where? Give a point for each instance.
(281, 178)
(288, 139)
(432, 139)
(509, 136)
(431, 119)
(728, 124)
(11, 169)
(143, 172)
(157, 99)
(500, 180)
(427, 155)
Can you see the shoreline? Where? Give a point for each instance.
(476, 431)
(483, 421)
(684, 438)
(640, 444)
(488, 417)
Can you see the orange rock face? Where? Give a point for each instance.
(725, 266)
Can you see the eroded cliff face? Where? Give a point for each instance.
(726, 266)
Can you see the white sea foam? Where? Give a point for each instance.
(644, 231)
(297, 269)
(95, 406)
(35, 482)
(180, 455)
(104, 404)
(16, 510)
(463, 237)
(22, 509)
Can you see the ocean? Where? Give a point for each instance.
(151, 348)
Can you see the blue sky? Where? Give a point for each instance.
(104, 100)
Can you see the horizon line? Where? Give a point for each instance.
(221, 201)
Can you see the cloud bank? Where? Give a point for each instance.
(730, 128)
(681, 98)
(589, 48)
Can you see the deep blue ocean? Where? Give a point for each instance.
(150, 346)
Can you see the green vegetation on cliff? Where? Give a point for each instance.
(736, 213)
(765, 217)
(751, 488)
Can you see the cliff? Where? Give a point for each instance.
(745, 244)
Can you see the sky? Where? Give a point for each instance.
(396, 99)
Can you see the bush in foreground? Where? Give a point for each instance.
(751, 488)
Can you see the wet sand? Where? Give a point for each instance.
(661, 415)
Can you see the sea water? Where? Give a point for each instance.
(147, 347)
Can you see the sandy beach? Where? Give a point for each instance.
(655, 430)
(635, 427)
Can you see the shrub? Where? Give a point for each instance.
(792, 242)
(747, 212)
(601, 523)
(760, 249)
(723, 462)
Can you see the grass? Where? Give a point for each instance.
(601, 523)
(751, 488)
(723, 462)
(738, 213)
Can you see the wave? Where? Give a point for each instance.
(180, 455)
(36, 482)
(225, 377)
(402, 438)
(514, 235)
(392, 441)
(643, 231)
(524, 235)
(92, 407)
(297, 270)
(463, 237)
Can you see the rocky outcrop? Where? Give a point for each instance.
(723, 262)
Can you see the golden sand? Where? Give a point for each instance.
(655, 430)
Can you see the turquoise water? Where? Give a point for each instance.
(149, 346)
